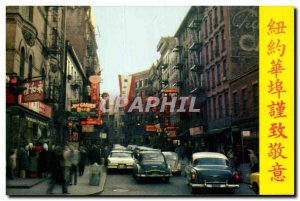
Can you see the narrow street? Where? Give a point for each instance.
(118, 184)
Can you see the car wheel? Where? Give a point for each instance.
(194, 190)
(256, 188)
(231, 191)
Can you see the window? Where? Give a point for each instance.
(217, 45)
(30, 16)
(207, 60)
(218, 74)
(221, 13)
(22, 62)
(210, 22)
(125, 80)
(226, 104)
(223, 39)
(215, 107)
(216, 16)
(224, 69)
(255, 96)
(235, 103)
(211, 50)
(213, 77)
(244, 100)
(30, 65)
(207, 79)
(208, 109)
(220, 106)
(206, 28)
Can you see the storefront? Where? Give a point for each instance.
(28, 123)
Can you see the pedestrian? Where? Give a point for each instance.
(253, 161)
(33, 161)
(56, 169)
(12, 164)
(23, 162)
(94, 155)
(83, 160)
(43, 161)
(67, 166)
(74, 158)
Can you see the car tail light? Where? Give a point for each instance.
(237, 176)
(193, 176)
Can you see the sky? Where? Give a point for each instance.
(127, 37)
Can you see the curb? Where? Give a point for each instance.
(26, 186)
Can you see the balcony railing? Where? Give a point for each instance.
(164, 81)
(196, 68)
(177, 66)
(177, 48)
(178, 84)
(195, 24)
(195, 46)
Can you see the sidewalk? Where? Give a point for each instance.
(38, 187)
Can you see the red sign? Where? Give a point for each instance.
(171, 128)
(94, 92)
(172, 134)
(91, 121)
(169, 90)
(34, 91)
(150, 128)
(37, 107)
(10, 98)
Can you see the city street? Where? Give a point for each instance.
(118, 184)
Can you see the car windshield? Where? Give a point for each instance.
(152, 157)
(210, 161)
(171, 157)
(121, 154)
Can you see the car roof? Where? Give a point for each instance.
(150, 151)
(169, 153)
(122, 151)
(208, 155)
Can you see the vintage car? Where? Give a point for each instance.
(254, 182)
(120, 159)
(173, 161)
(210, 170)
(151, 164)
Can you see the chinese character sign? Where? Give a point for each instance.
(34, 91)
(276, 55)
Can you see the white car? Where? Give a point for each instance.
(120, 159)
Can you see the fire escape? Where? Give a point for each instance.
(197, 86)
(177, 63)
(53, 48)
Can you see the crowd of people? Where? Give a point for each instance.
(61, 164)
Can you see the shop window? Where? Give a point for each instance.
(220, 106)
(244, 100)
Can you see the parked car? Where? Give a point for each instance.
(254, 182)
(120, 159)
(173, 161)
(210, 170)
(151, 164)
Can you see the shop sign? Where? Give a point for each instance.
(91, 121)
(34, 91)
(94, 92)
(246, 133)
(87, 128)
(171, 90)
(150, 128)
(84, 110)
(34, 120)
(37, 107)
(196, 130)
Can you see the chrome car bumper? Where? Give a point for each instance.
(119, 166)
(214, 185)
(154, 175)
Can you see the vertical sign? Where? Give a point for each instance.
(276, 94)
